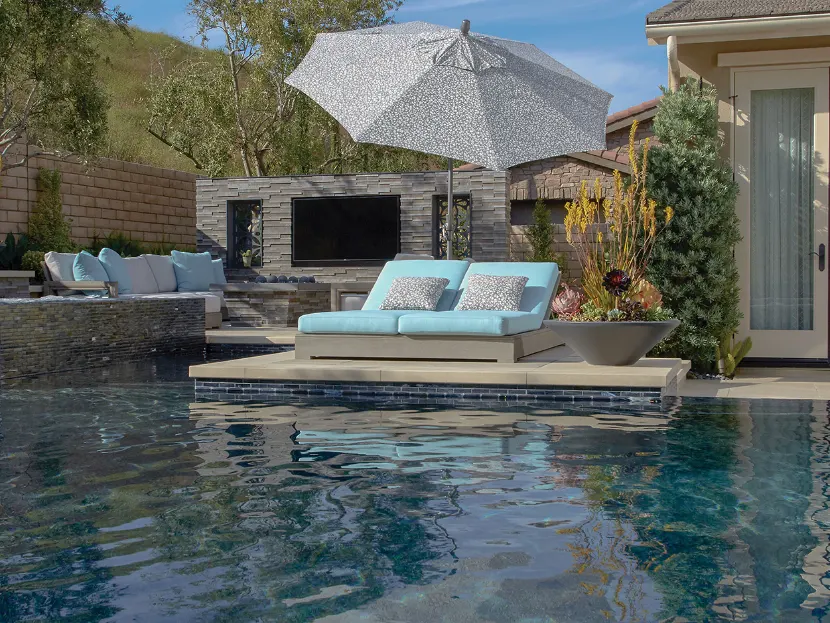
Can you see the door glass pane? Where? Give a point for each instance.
(781, 210)
(245, 233)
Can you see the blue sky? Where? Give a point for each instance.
(603, 40)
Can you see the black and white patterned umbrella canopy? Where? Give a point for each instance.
(466, 96)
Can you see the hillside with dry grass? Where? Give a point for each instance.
(125, 69)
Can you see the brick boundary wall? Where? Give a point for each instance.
(490, 217)
(41, 336)
(147, 203)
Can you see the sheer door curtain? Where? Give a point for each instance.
(781, 207)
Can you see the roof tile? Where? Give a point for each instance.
(704, 10)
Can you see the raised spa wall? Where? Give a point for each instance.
(490, 222)
(39, 336)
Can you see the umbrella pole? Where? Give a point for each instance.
(450, 209)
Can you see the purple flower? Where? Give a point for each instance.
(616, 282)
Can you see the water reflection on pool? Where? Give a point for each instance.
(124, 502)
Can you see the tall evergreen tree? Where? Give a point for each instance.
(540, 234)
(693, 263)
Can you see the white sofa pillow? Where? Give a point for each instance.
(162, 267)
(141, 275)
(60, 265)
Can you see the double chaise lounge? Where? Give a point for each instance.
(444, 334)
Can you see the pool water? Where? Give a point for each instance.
(122, 500)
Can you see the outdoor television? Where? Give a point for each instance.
(352, 230)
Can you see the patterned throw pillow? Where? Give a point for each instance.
(414, 293)
(492, 293)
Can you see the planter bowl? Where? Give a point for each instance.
(613, 343)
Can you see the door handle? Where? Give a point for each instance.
(822, 256)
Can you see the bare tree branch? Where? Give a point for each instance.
(187, 154)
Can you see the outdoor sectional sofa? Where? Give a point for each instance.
(151, 277)
(445, 334)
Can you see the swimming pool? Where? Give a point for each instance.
(123, 500)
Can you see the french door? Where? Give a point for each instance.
(781, 165)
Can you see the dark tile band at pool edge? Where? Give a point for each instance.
(417, 393)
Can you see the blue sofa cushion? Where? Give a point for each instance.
(542, 279)
(117, 270)
(86, 267)
(452, 270)
(362, 321)
(219, 272)
(194, 271)
(468, 323)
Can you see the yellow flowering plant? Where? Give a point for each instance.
(613, 237)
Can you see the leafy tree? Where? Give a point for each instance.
(49, 92)
(540, 234)
(48, 228)
(234, 111)
(693, 264)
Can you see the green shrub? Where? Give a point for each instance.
(119, 242)
(32, 260)
(693, 264)
(12, 251)
(49, 229)
(164, 248)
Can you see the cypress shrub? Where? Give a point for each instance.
(49, 230)
(540, 234)
(693, 263)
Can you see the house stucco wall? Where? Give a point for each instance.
(490, 216)
(701, 60)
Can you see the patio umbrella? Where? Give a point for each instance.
(453, 93)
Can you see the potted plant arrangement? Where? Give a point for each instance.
(617, 316)
(246, 258)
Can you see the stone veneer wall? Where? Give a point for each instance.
(561, 178)
(39, 336)
(148, 203)
(14, 284)
(490, 218)
(273, 305)
(520, 249)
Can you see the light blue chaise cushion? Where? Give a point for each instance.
(366, 321)
(117, 270)
(374, 321)
(194, 271)
(452, 270)
(543, 277)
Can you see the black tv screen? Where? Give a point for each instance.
(328, 231)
